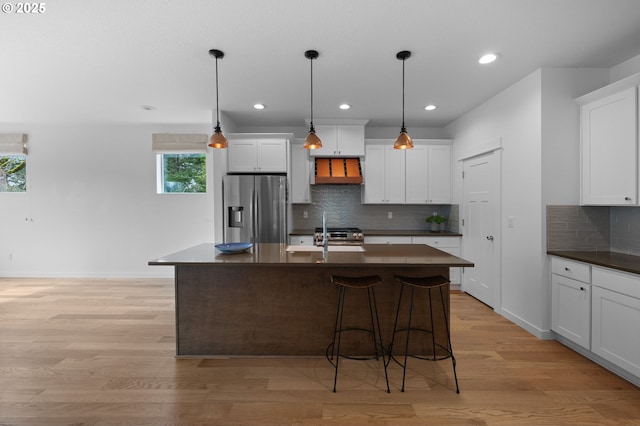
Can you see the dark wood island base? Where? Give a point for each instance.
(270, 302)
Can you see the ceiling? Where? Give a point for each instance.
(101, 61)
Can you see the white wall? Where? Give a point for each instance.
(91, 208)
(624, 69)
(538, 124)
(514, 116)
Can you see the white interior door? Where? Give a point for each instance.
(480, 228)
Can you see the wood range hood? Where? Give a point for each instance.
(336, 170)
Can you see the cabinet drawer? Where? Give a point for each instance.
(617, 281)
(392, 239)
(438, 242)
(301, 240)
(571, 269)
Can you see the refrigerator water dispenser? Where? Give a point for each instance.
(236, 216)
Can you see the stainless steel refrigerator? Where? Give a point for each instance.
(255, 208)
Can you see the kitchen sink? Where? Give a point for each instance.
(329, 248)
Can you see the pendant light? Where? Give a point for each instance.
(404, 140)
(217, 139)
(312, 141)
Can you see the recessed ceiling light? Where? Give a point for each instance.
(488, 58)
(430, 107)
(345, 106)
(259, 106)
(148, 107)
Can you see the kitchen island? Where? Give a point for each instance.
(272, 302)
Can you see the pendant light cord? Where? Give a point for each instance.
(218, 108)
(311, 122)
(403, 126)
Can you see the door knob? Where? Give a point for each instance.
(490, 237)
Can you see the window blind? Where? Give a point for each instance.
(13, 144)
(179, 142)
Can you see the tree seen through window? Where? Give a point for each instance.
(13, 173)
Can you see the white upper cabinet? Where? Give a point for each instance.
(257, 155)
(339, 140)
(300, 174)
(384, 175)
(428, 174)
(609, 148)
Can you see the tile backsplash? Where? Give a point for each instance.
(594, 228)
(625, 230)
(344, 208)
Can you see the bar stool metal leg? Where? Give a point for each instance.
(333, 351)
(429, 284)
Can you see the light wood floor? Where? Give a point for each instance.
(101, 352)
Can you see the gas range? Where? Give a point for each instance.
(340, 236)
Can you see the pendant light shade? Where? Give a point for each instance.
(312, 141)
(403, 141)
(217, 139)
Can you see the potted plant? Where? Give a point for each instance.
(436, 221)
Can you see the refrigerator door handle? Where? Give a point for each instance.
(254, 214)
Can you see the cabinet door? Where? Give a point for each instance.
(417, 175)
(374, 185)
(571, 309)
(439, 177)
(350, 140)
(609, 149)
(271, 156)
(384, 175)
(615, 332)
(328, 134)
(300, 175)
(428, 171)
(394, 175)
(242, 156)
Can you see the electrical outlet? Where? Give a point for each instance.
(510, 222)
(10, 256)
(390, 215)
(305, 214)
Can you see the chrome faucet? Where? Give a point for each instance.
(324, 243)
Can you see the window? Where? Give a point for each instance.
(13, 162)
(13, 173)
(181, 162)
(182, 173)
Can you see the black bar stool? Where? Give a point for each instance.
(440, 351)
(333, 350)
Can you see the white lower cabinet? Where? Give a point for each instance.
(571, 309)
(599, 309)
(571, 300)
(615, 332)
(301, 240)
(449, 245)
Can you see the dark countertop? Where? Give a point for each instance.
(277, 255)
(384, 232)
(607, 259)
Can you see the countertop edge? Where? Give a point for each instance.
(383, 232)
(273, 254)
(607, 259)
